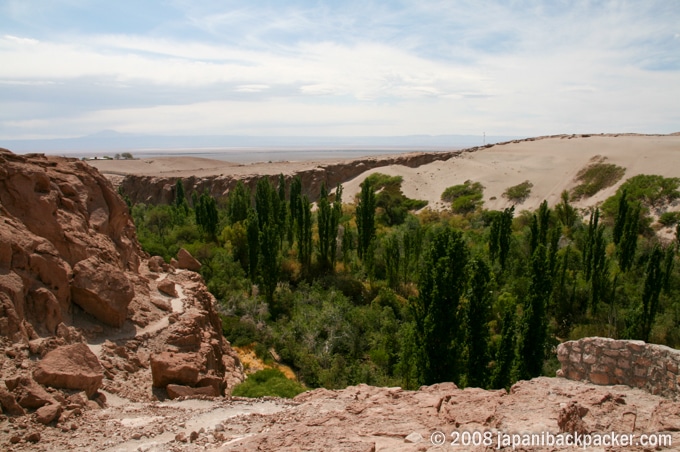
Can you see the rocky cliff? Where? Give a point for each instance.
(84, 310)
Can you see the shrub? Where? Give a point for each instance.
(595, 177)
(390, 199)
(649, 190)
(669, 219)
(464, 197)
(519, 193)
(268, 382)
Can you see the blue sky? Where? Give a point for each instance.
(338, 68)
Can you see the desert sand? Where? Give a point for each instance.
(549, 163)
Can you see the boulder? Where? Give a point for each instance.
(31, 395)
(71, 367)
(48, 413)
(9, 403)
(156, 264)
(167, 287)
(175, 391)
(174, 368)
(102, 290)
(186, 261)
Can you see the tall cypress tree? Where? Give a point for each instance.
(532, 341)
(324, 222)
(438, 323)
(304, 233)
(628, 242)
(294, 200)
(366, 217)
(253, 235)
(654, 283)
(238, 203)
(477, 318)
(505, 355)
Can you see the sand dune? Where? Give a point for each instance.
(551, 164)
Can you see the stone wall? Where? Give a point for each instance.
(605, 361)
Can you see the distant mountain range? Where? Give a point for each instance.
(112, 141)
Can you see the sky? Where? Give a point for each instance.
(73, 68)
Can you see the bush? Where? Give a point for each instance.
(519, 193)
(595, 177)
(648, 190)
(464, 197)
(268, 382)
(390, 199)
(669, 219)
(239, 332)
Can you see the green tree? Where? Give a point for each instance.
(477, 318)
(628, 242)
(327, 222)
(654, 284)
(282, 209)
(304, 233)
(264, 202)
(365, 213)
(438, 323)
(392, 252)
(206, 215)
(500, 233)
(253, 236)
(505, 354)
(533, 338)
(294, 200)
(269, 262)
(238, 203)
(180, 196)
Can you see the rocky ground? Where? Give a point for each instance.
(360, 418)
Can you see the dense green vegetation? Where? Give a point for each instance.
(268, 382)
(350, 295)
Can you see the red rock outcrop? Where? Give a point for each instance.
(79, 301)
(54, 214)
(102, 290)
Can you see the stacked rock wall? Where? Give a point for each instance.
(605, 361)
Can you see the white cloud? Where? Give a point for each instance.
(429, 67)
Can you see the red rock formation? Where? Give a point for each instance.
(54, 214)
(71, 272)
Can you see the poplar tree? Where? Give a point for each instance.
(295, 197)
(365, 217)
(206, 214)
(505, 355)
(180, 196)
(304, 233)
(533, 338)
(238, 203)
(253, 235)
(477, 318)
(438, 322)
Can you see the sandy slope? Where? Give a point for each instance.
(550, 164)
